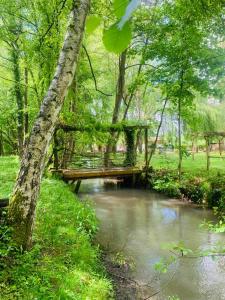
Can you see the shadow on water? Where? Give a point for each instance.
(140, 222)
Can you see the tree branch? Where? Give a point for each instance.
(11, 80)
(93, 74)
(140, 64)
(53, 22)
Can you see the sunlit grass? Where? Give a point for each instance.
(170, 161)
(63, 264)
(8, 172)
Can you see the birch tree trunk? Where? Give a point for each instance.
(23, 201)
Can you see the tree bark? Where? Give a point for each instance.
(19, 97)
(179, 139)
(157, 133)
(193, 149)
(118, 101)
(26, 115)
(120, 87)
(179, 126)
(23, 201)
(69, 141)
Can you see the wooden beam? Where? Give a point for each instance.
(214, 134)
(106, 128)
(70, 174)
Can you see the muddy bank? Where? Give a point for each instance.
(125, 286)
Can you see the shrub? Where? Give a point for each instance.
(165, 182)
(216, 195)
(194, 189)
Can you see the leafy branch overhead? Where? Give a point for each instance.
(117, 36)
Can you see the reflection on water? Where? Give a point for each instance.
(141, 222)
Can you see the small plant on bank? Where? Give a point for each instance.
(165, 182)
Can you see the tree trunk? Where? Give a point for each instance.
(134, 88)
(157, 133)
(179, 125)
(19, 97)
(118, 100)
(179, 139)
(193, 150)
(69, 141)
(26, 116)
(220, 147)
(1, 143)
(23, 201)
(120, 87)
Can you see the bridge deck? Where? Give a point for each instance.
(76, 174)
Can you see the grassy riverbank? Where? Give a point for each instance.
(197, 184)
(63, 264)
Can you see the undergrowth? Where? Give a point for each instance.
(208, 189)
(63, 263)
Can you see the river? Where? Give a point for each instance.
(141, 223)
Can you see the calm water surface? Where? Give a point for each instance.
(141, 223)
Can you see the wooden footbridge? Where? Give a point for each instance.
(76, 174)
(105, 163)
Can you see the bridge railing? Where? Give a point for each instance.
(96, 160)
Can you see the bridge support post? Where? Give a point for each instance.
(77, 187)
(133, 180)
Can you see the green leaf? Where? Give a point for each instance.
(119, 7)
(92, 23)
(117, 40)
(131, 7)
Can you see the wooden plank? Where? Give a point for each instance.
(97, 173)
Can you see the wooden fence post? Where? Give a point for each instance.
(146, 148)
(207, 153)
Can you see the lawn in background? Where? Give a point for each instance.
(169, 160)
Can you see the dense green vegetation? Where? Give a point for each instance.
(64, 263)
(98, 67)
(197, 185)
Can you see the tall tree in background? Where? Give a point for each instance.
(184, 61)
(23, 201)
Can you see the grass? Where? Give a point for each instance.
(196, 166)
(8, 172)
(63, 264)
